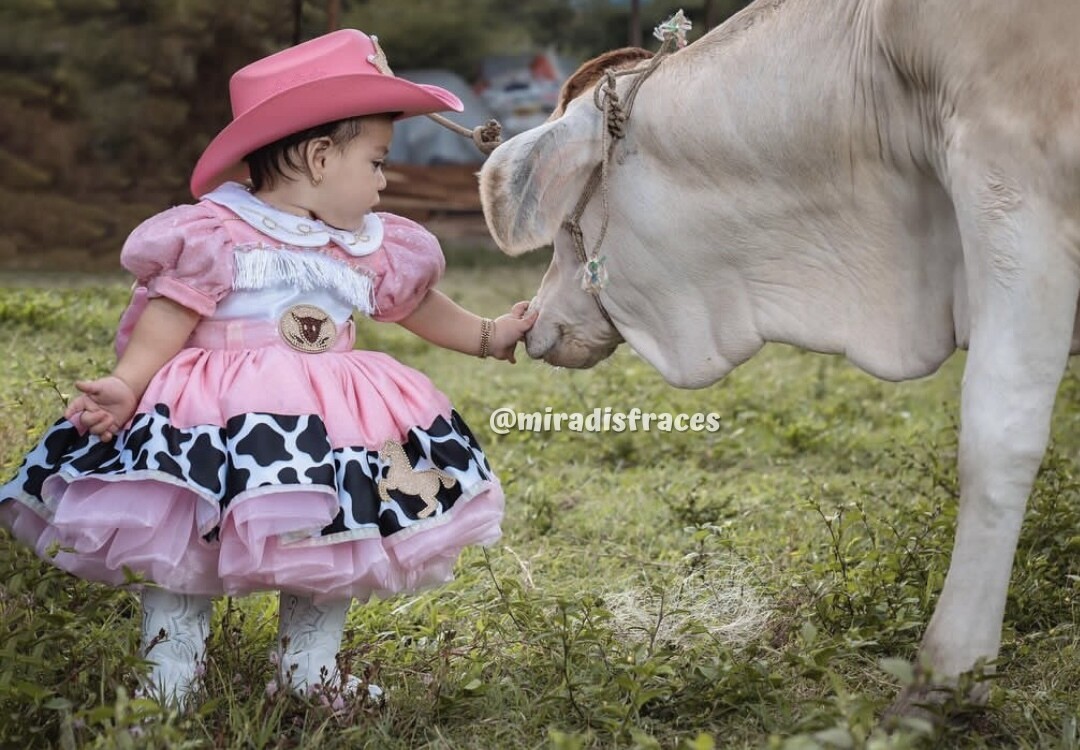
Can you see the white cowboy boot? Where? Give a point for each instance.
(174, 632)
(309, 638)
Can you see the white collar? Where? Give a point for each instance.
(296, 230)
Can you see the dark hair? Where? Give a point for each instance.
(269, 163)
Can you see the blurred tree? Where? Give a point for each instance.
(454, 34)
(542, 23)
(333, 15)
(106, 104)
(635, 39)
(104, 107)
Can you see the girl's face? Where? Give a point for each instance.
(353, 176)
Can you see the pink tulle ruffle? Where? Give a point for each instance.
(156, 530)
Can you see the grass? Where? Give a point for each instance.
(762, 586)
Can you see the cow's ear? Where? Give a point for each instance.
(530, 184)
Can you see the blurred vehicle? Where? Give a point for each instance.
(422, 141)
(522, 90)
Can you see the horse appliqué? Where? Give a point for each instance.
(401, 476)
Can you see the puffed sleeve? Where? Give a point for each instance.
(412, 263)
(183, 254)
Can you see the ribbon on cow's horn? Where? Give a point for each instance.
(674, 28)
(672, 35)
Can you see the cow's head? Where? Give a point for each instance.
(529, 187)
(672, 294)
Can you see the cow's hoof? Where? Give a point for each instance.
(939, 706)
(922, 703)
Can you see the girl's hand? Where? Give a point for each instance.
(510, 329)
(107, 404)
(104, 406)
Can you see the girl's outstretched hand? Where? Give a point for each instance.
(510, 329)
(104, 406)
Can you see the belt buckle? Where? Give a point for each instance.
(307, 329)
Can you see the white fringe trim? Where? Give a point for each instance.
(260, 268)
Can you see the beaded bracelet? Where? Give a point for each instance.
(487, 329)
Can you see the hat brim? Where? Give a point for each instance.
(307, 105)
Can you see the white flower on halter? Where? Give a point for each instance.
(676, 28)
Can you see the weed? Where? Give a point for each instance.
(763, 586)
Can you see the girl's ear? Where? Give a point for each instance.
(315, 152)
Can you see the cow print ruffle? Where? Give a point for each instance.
(254, 451)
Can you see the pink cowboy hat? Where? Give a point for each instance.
(338, 75)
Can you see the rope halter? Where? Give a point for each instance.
(487, 137)
(672, 35)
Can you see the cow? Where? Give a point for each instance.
(889, 180)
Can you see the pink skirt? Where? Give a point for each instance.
(250, 466)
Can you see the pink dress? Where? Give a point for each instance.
(268, 454)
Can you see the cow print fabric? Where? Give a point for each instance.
(254, 451)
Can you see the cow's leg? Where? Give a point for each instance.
(1023, 286)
